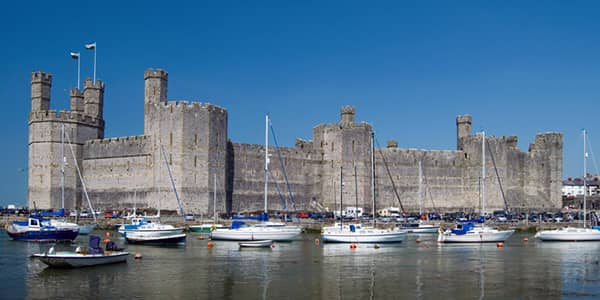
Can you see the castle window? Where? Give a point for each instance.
(195, 161)
(332, 146)
(352, 146)
(170, 159)
(196, 139)
(466, 156)
(171, 139)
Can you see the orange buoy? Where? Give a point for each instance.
(352, 246)
(500, 245)
(272, 245)
(138, 256)
(317, 241)
(210, 244)
(417, 241)
(525, 239)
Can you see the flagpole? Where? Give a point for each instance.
(95, 46)
(78, 70)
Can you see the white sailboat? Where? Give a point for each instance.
(571, 233)
(357, 233)
(155, 233)
(214, 225)
(419, 226)
(468, 232)
(263, 231)
(85, 228)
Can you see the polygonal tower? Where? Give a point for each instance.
(48, 148)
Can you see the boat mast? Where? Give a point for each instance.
(420, 190)
(483, 173)
(341, 196)
(373, 175)
(266, 158)
(584, 174)
(62, 166)
(355, 193)
(215, 198)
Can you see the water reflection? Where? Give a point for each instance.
(301, 269)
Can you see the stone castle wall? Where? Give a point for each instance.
(191, 139)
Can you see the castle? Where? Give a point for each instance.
(191, 139)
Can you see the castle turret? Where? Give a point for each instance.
(155, 86)
(77, 103)
(40, 91)
(93, 96)
(463, 129)
(347, 113)
(155, 96)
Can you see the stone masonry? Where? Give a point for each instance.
(190, 139)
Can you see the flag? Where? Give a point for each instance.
(74, 55)
(90, 46)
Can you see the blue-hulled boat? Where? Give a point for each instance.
(37, 229)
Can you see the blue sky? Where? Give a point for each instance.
(409, 67)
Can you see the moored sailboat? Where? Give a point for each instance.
(469, 232)
(419, 226)
(357, 233)
(264, 230)
(571, 233)
(207, 228)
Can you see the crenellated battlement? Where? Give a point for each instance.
(120, 147)
(99, 84)
(156, 73)
(64, 116)
(120, 140)
(40, 76)
(546, 140)
(187, 106)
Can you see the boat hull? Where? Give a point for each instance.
(421, 229)
(256, 233)
(42, 236)
(86, 229)
(256, 244)
(205, 228)
(364, 237)
(476, 237)
(173, 239)
(76, 260)
(569, 235)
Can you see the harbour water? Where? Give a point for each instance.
(304, 270)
